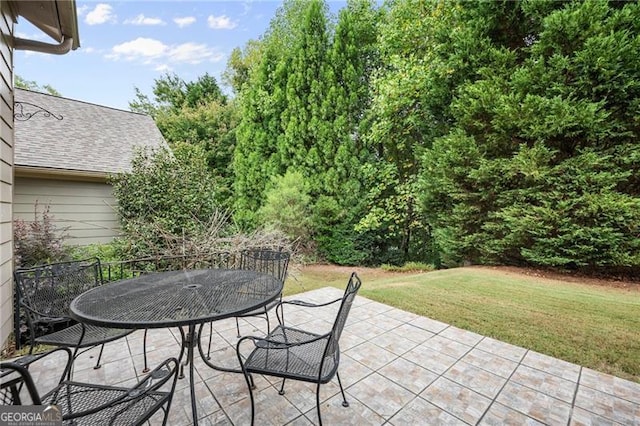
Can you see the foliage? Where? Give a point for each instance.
(438, 132)
(39, 241)
(34, 86)
(286, 206)
(301, 107)
(106, 252)
(541, 163)
(196, 113)
(240, 64)
(166, 193)
(408, 267)
(171, 94)
(412, 89)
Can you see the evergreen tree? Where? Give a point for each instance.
(541, 163)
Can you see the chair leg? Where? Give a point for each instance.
(281, 391)
(318, 404)
(344, 398)
(238, 327)
(251, 385)
(144, 351)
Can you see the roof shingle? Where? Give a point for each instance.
(89, 137)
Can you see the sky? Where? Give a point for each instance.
(129, 44)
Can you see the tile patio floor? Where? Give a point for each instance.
(397, 368)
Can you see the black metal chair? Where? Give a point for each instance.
(292, 353)
(46, 291)
(266, 261)
(90, 404)
(11, 384)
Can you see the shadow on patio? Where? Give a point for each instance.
(397, 368)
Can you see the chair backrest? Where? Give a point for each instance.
(49, 289)
(267, 261)
(341, 318)
(13, 376)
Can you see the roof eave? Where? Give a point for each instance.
(63, 174)
(56, 18)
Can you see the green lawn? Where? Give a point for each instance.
(593, 326)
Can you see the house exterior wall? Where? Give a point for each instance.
(85, 209)
(6, 172)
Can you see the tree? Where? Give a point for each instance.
(276, 108)
(166, 194)
(199, 114)
(425, 51)
(172, 94)
(241, 64)
(34, 86)
(540, 165)
(286, 207)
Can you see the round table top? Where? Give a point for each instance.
(176, 298)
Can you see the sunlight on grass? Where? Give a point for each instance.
(596, 327)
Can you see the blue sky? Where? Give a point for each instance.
(127, 44)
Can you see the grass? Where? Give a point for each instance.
(593, 326)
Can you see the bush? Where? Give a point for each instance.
(287, 206)
(39, 241)
(409, 267)
(167, 197)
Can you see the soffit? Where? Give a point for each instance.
(56, 18)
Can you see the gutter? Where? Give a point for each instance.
(39, 46)
(60, 174)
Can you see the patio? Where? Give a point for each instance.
(397, 368)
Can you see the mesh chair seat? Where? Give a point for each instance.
(131, 408)
(300, 362)
(93, 336)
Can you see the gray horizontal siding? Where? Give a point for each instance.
(85, 210)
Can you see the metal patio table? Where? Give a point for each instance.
(177, 299)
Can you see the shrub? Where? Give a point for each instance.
(409, 267)
(287, 206)
(39, 241)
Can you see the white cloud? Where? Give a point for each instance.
(144, 20)
(184, 21)
(81, 10)
(193, 53)
(140, 48)
(101, 14)
(162, 68)
(151, 51)
(221, 22)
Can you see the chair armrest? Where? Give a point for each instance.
(276, 344)
(26, 360)
(279, 308)
(23, 377)
(152, 381)
(158, 376)
(308, 304)
(42, 314)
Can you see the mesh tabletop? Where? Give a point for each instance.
(175, 298)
